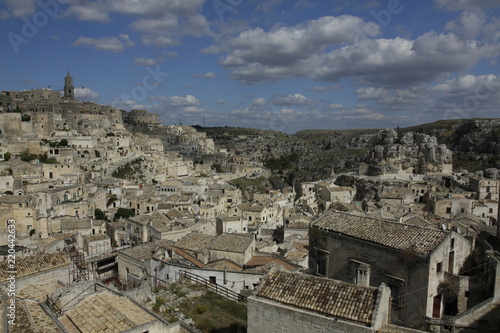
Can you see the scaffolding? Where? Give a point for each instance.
(78, 270)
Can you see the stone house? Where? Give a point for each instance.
(485, 188)
(22, 210)
(134, 264)
(238, 248)
(412, 261)
(86, 307)
(196, 245)
(296, 303)
(31, 270)
(448, 207)
(225, 224)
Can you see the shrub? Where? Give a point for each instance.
(160, 301)
(201, 309)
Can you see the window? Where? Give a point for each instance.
(396, 285)
(491, 210)
(452, 243)
(488, 188)
(439, 267)
(322, 262)
(363, 275)
(448, 210)
(462, 210)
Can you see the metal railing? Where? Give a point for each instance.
(216, 288)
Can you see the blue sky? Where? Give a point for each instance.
(283, 65)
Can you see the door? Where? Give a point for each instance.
(436, 308)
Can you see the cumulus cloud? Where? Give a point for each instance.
(186, 100)
(330, 48)
(468, 25)
(95, 12)
(111, 44)
(294, 99)
(259, 101)
(467, 4)
(221, 102)
(207, 75)
(21, 8)
(461, 97)
(334, 106)
(162, 23)
(319, 89)
(145, 62)
(85, 94)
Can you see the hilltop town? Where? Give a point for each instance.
(120, 220)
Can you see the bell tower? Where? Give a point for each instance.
(69, 89)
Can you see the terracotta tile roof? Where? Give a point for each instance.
(232, 243)
(188, 257)
(195, 242)
(147, 250)
(262, 261)
(395, 235)
(328, 297)
(223, 264)
(38, 292)
(30, 316)
(108, 314)
(36, 264)
(96, 237)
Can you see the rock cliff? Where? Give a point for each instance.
(408, 153)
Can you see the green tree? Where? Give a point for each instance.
(63, 143)
(100, 215)
(123, 212)
(7, 156)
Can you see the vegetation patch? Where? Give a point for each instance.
(213, 313)
(131, 171)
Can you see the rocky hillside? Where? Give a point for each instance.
(474, 144)
(409, 152)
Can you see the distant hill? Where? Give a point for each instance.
(475, 144)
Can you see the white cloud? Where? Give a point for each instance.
(468, 25)
(319, 89)
(111, 44)
(221, 102)
(85, 94)
(259, 101)
(94, 12)
(467, 4)
(207, 75)
(21, 8)
(145, 62)
(186, 100)
(4, 15)
(330, 49)
(334, 106)
(295, 99)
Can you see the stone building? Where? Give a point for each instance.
(140, 117)
(31, 270)
(297, 303)
(485, 188)
(412, 261)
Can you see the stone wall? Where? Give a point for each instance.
(266, 316)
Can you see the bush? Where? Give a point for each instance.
(160, 301)
(201, 309)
